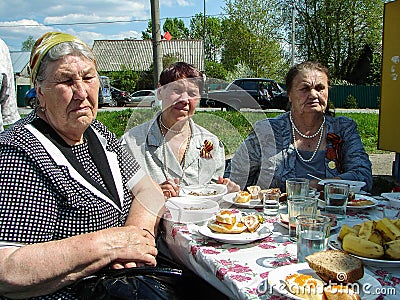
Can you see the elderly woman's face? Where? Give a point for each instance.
(179, 98)
(309, 92)
(70, 94)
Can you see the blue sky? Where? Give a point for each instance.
(20, 19)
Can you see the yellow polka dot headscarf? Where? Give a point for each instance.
(44, 44)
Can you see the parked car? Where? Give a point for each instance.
(144, 98)
(105, 97)
(244, 93)
(120, 97)
(30, 98)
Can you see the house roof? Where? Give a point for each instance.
(111, 55)
(20, 60)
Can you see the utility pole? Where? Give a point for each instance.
(293, 30)
(156, 38)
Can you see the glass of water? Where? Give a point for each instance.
(336, 197)
(300, 206)
(297, 187)
(312, 235)
(271, 204)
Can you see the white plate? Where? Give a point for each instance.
(334, 243)
(253, 203)
(211, 191)
(355, 186)
(236, 238)
(276, 280)
(394, 198)
(358, 196)
(286, 225)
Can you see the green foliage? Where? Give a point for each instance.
(27, 45)
(215, 70)
(241, 71)
(125, 80)
(350, 102)
(176, 28)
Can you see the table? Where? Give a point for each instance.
(241, 271)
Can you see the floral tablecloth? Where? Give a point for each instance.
(241, 271)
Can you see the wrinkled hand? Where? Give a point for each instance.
(134, 247)
(232, 186)
(170, 188)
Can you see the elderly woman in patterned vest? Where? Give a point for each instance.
(72, 199)
(305, 140)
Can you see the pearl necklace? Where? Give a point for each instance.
(302, 134)
(320, 131)
(169, 129)
(164, 144)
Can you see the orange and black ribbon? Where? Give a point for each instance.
(335, 153)
(205, 151)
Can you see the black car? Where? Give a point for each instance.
(245, 93)
(119, 97)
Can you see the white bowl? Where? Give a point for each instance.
(191, 210)
(394, 199)
(355, 186)
(212, 191)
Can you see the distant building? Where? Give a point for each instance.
(138, 54)
(20, 63)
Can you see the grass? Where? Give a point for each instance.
(232, 127)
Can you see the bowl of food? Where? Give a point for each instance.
(212, 191)
(190, 210)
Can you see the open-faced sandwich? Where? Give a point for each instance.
(242, 197)
(338, 271)
(228, 221)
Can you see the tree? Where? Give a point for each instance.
(28, 44)
(337, 33)
(176, 28)
(211, 34)
(252, 38)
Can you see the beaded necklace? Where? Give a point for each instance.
(169, 129)
(164, 144)
(320, 132)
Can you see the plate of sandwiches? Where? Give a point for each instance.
(231, 227)
(284, 220)
(328, 275)
(252, 198)
(361, 202)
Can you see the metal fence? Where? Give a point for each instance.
(366, 96)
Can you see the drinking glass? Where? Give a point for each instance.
(300, 206)
(336, 197)
(271, 204)
(297, 187)
(312, 235)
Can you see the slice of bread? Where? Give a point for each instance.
(305, 286)
(251, 222)
(336, 266)
(340, 292)
(226, 216)
(242, 197)
(238, 227)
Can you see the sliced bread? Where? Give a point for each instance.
(336, 266)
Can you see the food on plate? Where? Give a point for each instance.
(253, 190)
(252, 222)
(202, 194)
(361, 247)
(360, 202)
(242, 197)
(228, 221)
(392, 249)
(336, 266)
(268, 191)
(372, 239)
(226, 216)
(305, 286)
(340, 292)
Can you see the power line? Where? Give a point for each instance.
(100, 22)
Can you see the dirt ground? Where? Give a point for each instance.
(382, 163)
